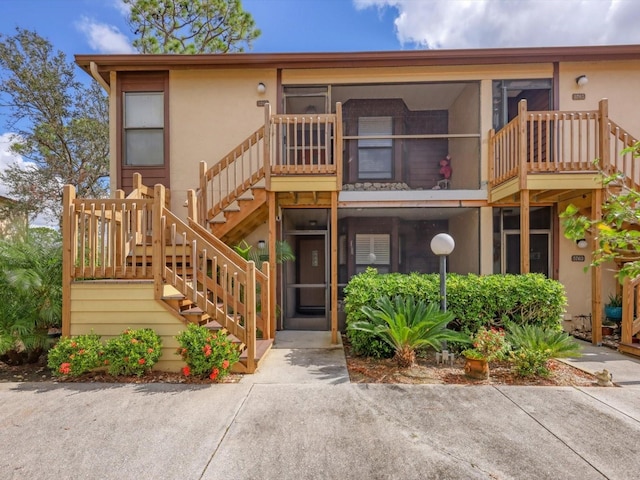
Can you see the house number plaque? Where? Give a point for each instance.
(577, 258)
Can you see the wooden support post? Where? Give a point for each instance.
(267, 147)
(492, 166)
(137, 183)
(334, 267)
(604, 138)
(68, 248)
(522, 143)
(525, 259)
(337, 148)
(192, 207)
(265, 294)
(250, 317)
(203, 208)
(626, 332)
(596, 273)
(158, 264)
(273, 264)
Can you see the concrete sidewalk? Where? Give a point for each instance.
(625, 369)
(316, 425)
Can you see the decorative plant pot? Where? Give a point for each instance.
(607, 330)
(476, 368)
(613, 313)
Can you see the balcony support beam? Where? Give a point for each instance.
(596, 273)
(524, 231)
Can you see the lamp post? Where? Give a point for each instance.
(442, 245)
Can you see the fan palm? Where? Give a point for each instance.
(535, 338)
(406, 324)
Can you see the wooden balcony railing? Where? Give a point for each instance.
(554, 141)
(630, 309)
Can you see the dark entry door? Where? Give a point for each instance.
(538, 253)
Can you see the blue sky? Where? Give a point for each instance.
(100, 26)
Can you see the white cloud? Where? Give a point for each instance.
(511, 23)
(104, 38)
(122, 7)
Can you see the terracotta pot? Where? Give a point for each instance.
(607, 330)
(476, 368)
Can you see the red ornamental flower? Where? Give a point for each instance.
(65, 368)
(150, 350)
(74, 344)
(186, 371)
(134, 340)
(81, 351)
(225, 364)
(142, 361)
(214, 374)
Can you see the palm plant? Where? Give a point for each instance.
(406, 324)
(555, 343)
(30, 293)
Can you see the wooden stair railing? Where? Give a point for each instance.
(630, 312)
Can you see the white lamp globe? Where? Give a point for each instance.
(442, 244)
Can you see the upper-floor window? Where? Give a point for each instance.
(143, 128)
(375, 155)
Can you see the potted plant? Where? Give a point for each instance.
(613, 308)
(488, 345)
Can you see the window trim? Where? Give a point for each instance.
(141, 82)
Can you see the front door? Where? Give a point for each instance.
(306, 284)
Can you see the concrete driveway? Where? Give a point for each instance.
(300, 418)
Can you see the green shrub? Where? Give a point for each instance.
(207, 353)
(475, 301)
(533, 346)
(133, 352)
(530, 363)
(75, 356)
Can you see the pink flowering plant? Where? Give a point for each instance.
(208, 354)
(488, 344)
(133, 352)
(75, 356)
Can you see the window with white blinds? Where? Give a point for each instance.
(375, 154)
(373, 249)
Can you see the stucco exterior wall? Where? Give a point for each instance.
(211, 113)
(465, 230)
(464, 118)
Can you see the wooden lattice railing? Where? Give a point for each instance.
(554, 141)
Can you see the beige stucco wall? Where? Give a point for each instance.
(465, 230)
(617, 81)
(464, 118)
(211, 113)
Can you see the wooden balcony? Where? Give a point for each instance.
(552, 152)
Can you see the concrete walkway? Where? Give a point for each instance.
(311, 423)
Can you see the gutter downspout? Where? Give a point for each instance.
(94, 73)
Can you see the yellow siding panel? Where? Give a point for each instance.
(301, 183)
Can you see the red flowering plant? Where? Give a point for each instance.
(488, 344)
(75, 356)
(133, 352)
(208, 354)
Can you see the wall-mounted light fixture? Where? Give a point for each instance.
(582, 243)
(582, 80)
(262, 244)
(262, 88)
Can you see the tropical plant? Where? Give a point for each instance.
(30, 293)
(75, 356)
(406, 325)
(133, 352)
(284, 252)
(616, 232)
(193, 26)
(614, 300)
(207, 353)
(488, 344)
(533, 346)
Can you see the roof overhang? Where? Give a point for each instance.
(493, 56)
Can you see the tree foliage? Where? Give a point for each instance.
(190, 26)
(617, 233)
(60, 126)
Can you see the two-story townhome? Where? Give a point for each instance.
(353, 159)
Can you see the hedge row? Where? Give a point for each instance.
(475, 301)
